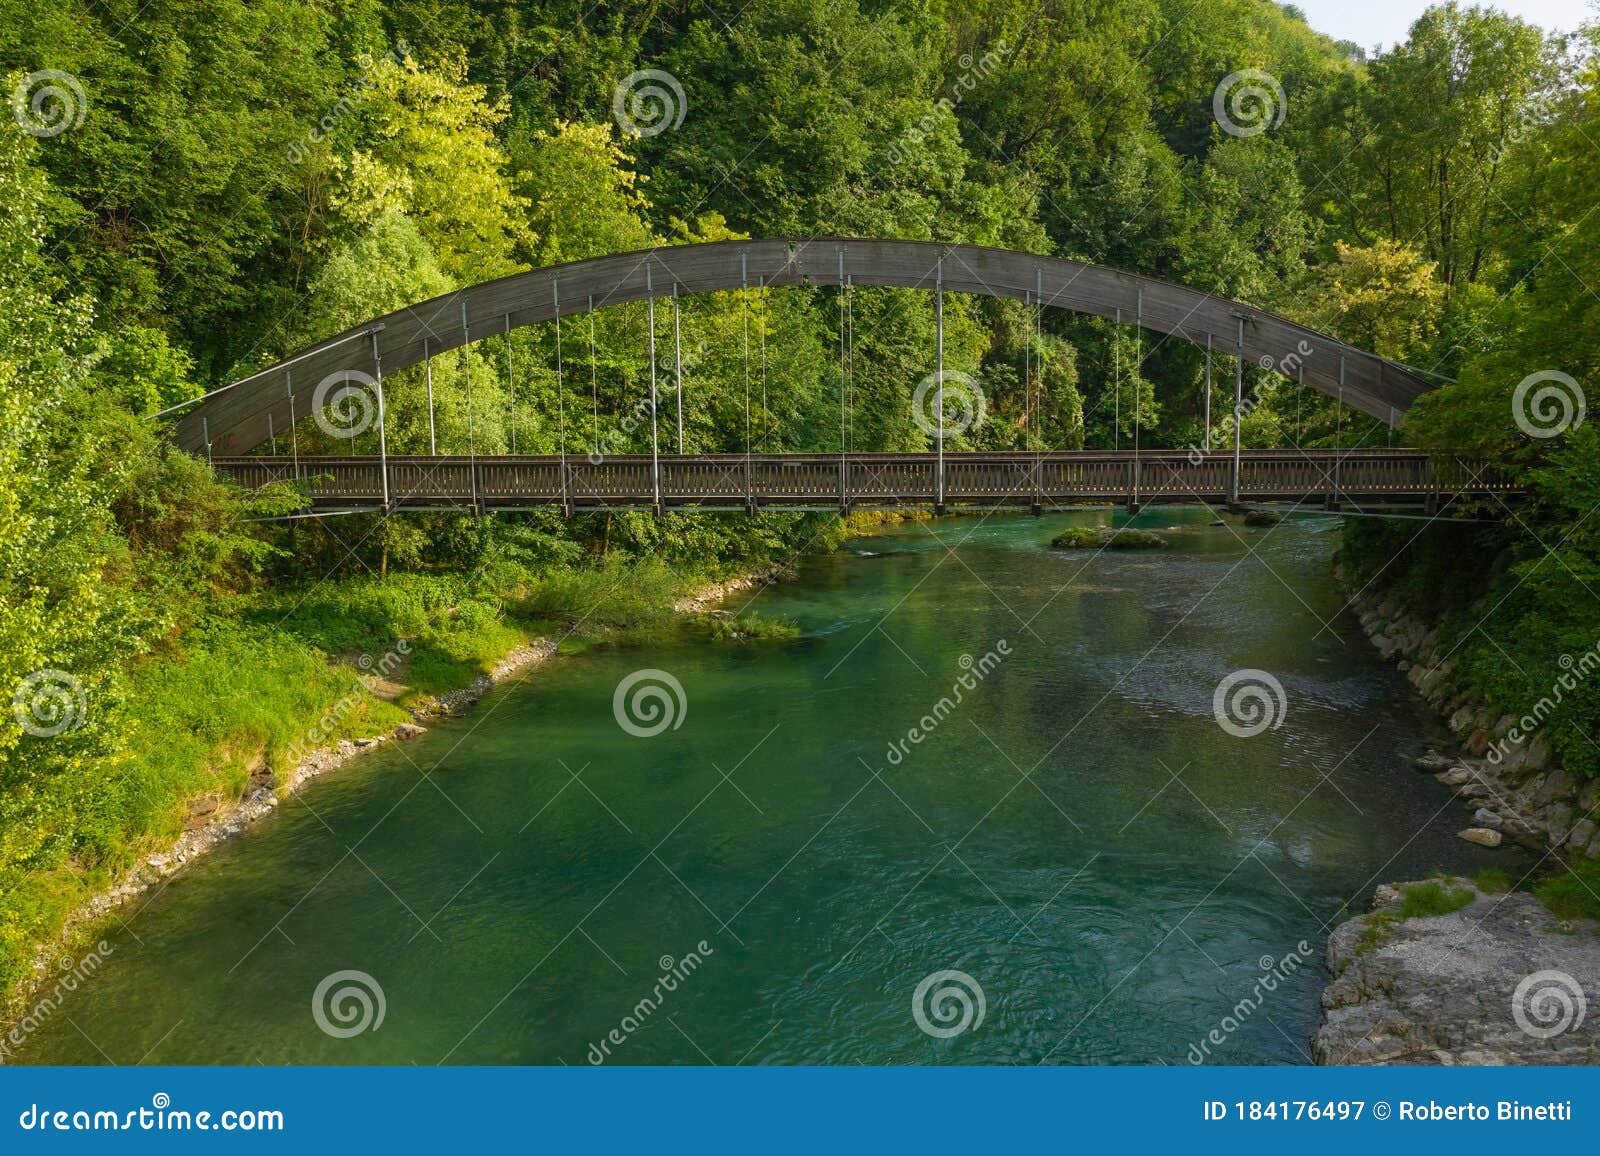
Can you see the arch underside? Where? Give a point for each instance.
(236, 419)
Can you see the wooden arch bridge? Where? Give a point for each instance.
(229, 423)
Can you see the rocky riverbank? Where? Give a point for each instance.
(1480, 978)
(1497, 981)
(1517, 790)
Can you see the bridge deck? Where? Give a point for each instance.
(867, 481)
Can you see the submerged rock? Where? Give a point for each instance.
(1097, 538)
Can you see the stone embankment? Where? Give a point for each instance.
(1517, 790)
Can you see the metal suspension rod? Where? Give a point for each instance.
(383, 439)
(766, 415)
(1138, 386)
(561, 397)
(594, 379)
(655, 443)
(744, 320)
(1299, 389)
(1038, 344)
(1205, 443)
(938, 342)
(677, 361)
(841, 362)
(294, 432)
(1027, 370)
(1338, 431)
(272, 434)
(511, 388)
(1238, 413)
(472, 440)
(1116, 384)
(427, 363)
(850, 339)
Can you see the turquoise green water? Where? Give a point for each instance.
(1077, 835)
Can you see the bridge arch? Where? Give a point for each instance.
(239, 417)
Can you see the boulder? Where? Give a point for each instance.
(1484, 817)
(1582, 832)
(409, 731)
(1445, 989)
(1434, 762)
(1482, 836)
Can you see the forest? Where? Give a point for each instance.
(191, 191)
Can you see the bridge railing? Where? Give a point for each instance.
(874, 480)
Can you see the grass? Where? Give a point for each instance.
(1574, 893)
(745, 628)
(1435, 897)
(1492, 881)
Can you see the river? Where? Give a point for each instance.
(771, 879)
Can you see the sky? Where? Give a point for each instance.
(1370, 22)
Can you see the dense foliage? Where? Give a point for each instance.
(233, 180)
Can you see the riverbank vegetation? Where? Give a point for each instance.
(187, 196)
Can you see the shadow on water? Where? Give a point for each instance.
(1077, 835)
